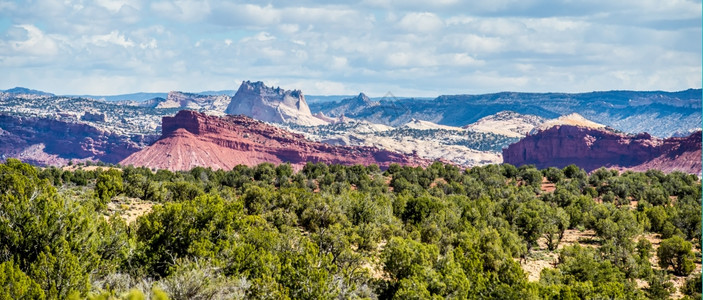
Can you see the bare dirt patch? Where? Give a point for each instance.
(129, 208)
(88, 168)
(438, 181)
(587, 238)
(547, 186)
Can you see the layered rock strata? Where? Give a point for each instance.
(192, 139)
(592, 148)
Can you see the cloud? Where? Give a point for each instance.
(245, 15)
(35, 43)
(409, 47)
(114, 38)
(421, 22)
(183, 11)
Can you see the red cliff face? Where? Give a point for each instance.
(192, 139)
(590, 149)
(45, 141)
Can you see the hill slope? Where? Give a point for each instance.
(660, 113)
(592, 148)
(192, 139)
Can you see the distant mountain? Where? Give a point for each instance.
(315, 99)
(181, 100)
(592, 148)
(659, 113)
(268, 104)
(218, 93)
(26, 91)
(348, 106)
(148, 97)
(136, 97)
(192, 139)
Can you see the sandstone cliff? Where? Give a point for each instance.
(194, 139)
(592, 148)
(256, 100)
(44, 141)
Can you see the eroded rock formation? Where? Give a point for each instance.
(192, 139)
(592, 148)
(276, 105)
(44, 141)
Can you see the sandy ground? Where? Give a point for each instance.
(130, 208)
(88, 168)
(546, 186)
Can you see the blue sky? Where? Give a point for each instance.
(407, 47)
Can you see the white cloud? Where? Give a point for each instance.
(247, 15)
(463, 59)
(112, 5)
(413, 46)
(289, 28)
(339, 63)
(36, 42)
(421, 22)
(182, 10)
(113, 37)
(261, 37)
(476, 44)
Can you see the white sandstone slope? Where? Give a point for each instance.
(423, 138)
(427, 125)
(215, 104)
(274, 105)
(507, 123)
(573, 119)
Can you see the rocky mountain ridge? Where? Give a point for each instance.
(592, 148)
(268, 104)
(350, 106)
(508, 123)
(660, 113)
(419, 125)
(180, 100)
(192, 139)
(44, 141)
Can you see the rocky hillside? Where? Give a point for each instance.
(572, 119)
(256, 100)
(348, 106)
(214, 103)
(44, 141)
(662, 114)
(592, 148)
(192, 139)
(508, 123)
(428, 140)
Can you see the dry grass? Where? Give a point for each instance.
(88, 168)
(129, 208)
(373, 263)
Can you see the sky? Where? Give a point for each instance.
(406, 47)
